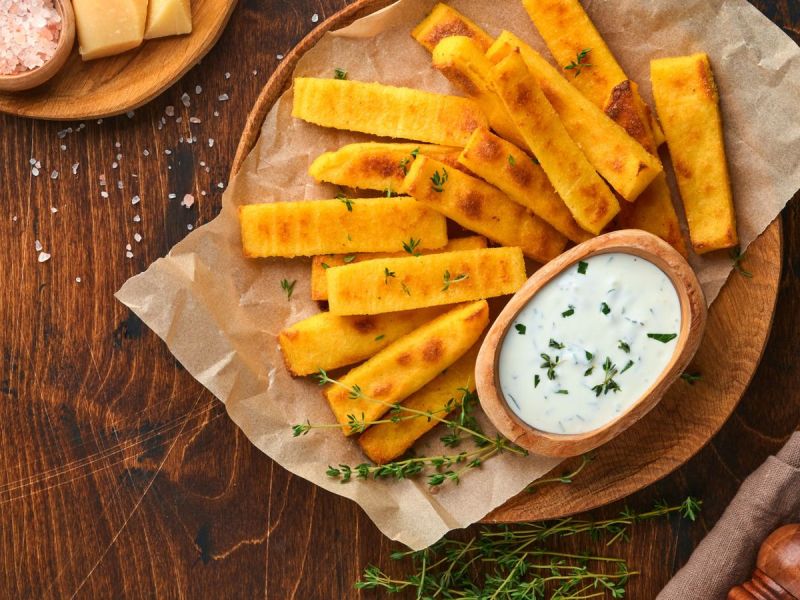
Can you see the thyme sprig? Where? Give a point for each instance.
(445, 467)
(567, 477)
(438, 180)
(608, 385)
(448, 279)
(737, 256)
(580, 62)
(511, 562)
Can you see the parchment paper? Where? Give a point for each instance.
(219, 313)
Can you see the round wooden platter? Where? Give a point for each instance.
(117, 84)
(737, 330)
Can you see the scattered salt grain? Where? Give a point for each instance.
(279, 56)
(63, 147)
(136, 218)
(128, 247)
(227, 75)
(53, 174)
(114, 165)
(117, 145)
(167, 151)
(189, 226)
(314, 18)
(35, 172)
(130, 114)
(170, 111)
(29, 33)
(38, 245)
(172, 196)
(198, 89)
(43, 257)
(146, 152)
(194, 120)
(104, 194)
(32, 161)
(120, 185)
(210, 143)
(188, 201)
(179, 120)
(223, 97)
(137, 237)
(128, 254)
(135, 200)
(216, 113)
(75, 168)
(102, 179)
(187, 101)
(53, 209)
(221, 185)
(77, 280)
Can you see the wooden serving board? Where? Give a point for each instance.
(737, 330)
(117, 84)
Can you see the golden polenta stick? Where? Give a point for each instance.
(386, 111)
(374, 165)
(482, 208)
(386, 441)
(586, 195)
(329, 226)
(568, 32)
(616, 156)
(687, 102)
(514, 172)
(326, 341)
(320, 264)
(461, 60)
(444, 21)
(403, 367)
(392, 284)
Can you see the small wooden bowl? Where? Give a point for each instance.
(693, 321)
(35, 77)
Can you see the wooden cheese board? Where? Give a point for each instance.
(117, 84)
(738, 326)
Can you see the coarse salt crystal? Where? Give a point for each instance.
(102, 179)
(128, 254)
(53, 209)
(114, 165)
(194, 120)
(221, 185)
(77, 280)
(29, 33)
(104, 194)
(167, 151)
(38, 245)
(136, 218)
(137, 237)
(198, 89)
(146, 152)
(54, 174)
(75, 168)
(223, 97)
(43, 257)
(189, 226)
(32, 161)
(179, 120)
(135, 200)
(128, 247)
(188, 201)
(35, 172)
(170, 111)
(117, 145)
(279, 56)
(210, 143)
(172, 196)
(63, 147)
(130, 114)
(314, 18)
(227, 75)
(186, 100)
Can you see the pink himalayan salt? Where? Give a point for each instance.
(29, 32)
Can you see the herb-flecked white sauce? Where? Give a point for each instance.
(590, 343)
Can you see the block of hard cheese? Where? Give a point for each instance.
(107, 28)
(168, 17)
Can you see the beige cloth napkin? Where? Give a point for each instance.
(768, 499)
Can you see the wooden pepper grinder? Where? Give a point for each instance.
(777, 574)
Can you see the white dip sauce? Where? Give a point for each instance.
(590, 343)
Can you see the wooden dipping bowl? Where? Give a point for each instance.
(35, 77)
(693, 321)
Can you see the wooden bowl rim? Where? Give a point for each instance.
(26, 80)
(279, 82)
(693, 319)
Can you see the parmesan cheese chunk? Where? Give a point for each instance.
(108, 28)
(168, 17)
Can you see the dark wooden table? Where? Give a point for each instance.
(120, 476)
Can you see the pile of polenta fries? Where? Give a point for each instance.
(532, 157)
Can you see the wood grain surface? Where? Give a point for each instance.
(117, 84)
(120, 476)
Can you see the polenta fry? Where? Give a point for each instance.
(326, 341)
(586, 195)
(386, 111)
(444, 21)
(368, 391)
(320, 264)
(330, 226)
(479, 207)
(392, 284)
(688, 106)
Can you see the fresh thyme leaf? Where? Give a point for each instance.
(380, 337)
(415, 152)
(447, 279)
(288, 287)
(608, 384)
(325, 265)
(550, 364)
(404, 165)
(536, 380)
(691, 378)
(662, 337)
(627, 366)
(521, 329)
(349, 258)
(605, 308)
(348, 203)
(555, 344)
(339, 73)
(579, 63)
(438, 180)
(387, 274)
(582, 266)
(405, 289)
(737, 256)
(624, 346)
(411, 246)
(565, 392)
(588, 371)
(589, 355)
(569, 312)
(511, 160)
